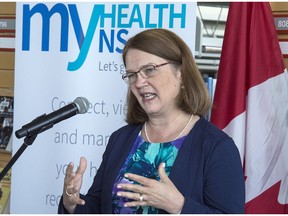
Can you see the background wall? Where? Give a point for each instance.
(281, 8)
(7, 44)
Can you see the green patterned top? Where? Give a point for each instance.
(144, 159)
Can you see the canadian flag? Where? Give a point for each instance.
(251, 104)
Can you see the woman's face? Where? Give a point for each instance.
(157, 94)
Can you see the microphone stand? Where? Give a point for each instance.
(27, 141)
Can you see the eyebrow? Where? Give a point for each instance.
(131, 71)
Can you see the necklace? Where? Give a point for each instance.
(146, 134)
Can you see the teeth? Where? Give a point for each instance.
(148, 96)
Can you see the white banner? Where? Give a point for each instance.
(67, 50)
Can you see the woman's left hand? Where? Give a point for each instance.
(160, 194)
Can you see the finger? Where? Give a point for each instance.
(69, 169)
(69, 175)
(82, 166)
(81, 201)
(74, 199)
(135, 203)
(162, 174)
(131, 187)
(69, 192)
(137, 178)
(131, 196)
(134, 199)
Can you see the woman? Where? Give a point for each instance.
(168, 159)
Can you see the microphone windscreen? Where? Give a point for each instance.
(82, 104)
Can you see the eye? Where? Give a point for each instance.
(131, 76)
(149, 70)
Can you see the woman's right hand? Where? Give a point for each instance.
(72, 185)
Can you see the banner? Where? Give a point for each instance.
(251, 104)
(67, 50)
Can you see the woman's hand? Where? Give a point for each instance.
(160, 194)
(72, 185)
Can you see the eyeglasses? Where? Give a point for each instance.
(146, 72)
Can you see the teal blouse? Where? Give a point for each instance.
(144, 159)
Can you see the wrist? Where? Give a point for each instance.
(181, 207)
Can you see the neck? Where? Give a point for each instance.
(167, 132)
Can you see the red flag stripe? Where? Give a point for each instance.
(241, 50)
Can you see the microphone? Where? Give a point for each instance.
(45, 122)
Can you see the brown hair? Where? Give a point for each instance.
(193, 97)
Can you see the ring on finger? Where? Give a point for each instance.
(141, 198)
(68, 194)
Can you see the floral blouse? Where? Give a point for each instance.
(144, 159)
